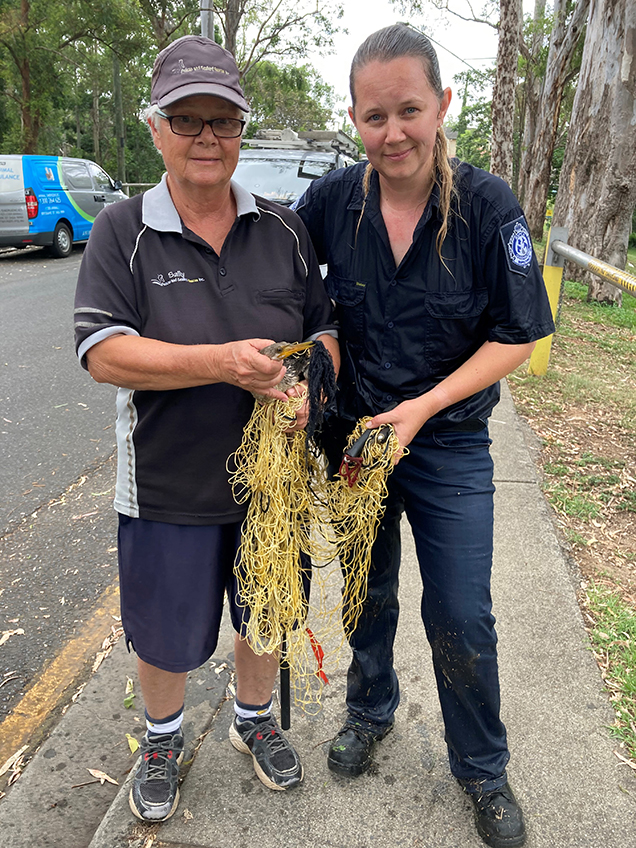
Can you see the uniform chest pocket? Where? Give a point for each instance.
(349, 297)
(455, 325)
(279, 296)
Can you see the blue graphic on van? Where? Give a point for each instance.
(51, 200)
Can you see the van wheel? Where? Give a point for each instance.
(62, 241)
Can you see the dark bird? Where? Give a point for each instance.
(309, 361)
(295, 356)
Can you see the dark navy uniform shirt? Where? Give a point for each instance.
(404, 329)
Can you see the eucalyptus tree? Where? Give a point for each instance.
(597, 188)
(38, 40)
(277, 30)
(546, 89)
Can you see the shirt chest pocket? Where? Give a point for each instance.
(455, 326)
(349, 297)
(280, 313)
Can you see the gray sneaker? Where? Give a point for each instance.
(155, 792)
(275, 761)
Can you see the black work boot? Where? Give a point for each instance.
(499, 818)
(350, 751)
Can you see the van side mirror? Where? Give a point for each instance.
(117, 184)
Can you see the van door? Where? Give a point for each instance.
(14, 221)
(103, 185)
(78, 187)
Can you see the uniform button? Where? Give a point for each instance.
(388, 397)
(387, 365)
(394, 282)
(222, 272)
(208, 250)
(390, 325)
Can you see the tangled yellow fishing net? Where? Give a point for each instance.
(296, 512)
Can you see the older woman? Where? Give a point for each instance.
(178, 292)
(438, 296)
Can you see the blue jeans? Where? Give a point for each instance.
(445, 487)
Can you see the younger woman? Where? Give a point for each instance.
(439, 296)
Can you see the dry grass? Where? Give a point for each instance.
(584, 414)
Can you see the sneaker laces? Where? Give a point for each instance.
(158, 757)
(268, 733)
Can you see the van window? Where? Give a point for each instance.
(101, 179)
(76, 175)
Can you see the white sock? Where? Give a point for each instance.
(167, 726)
(252, 711)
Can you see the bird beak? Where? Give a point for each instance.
(292, 349)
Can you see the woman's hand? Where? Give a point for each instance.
(406, 419)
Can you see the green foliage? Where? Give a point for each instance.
(56, 71)
(294, 97)
(473, 126)
(254, 30)
(613, 636)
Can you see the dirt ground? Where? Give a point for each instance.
(588, 468)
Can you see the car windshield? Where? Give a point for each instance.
(281, 180)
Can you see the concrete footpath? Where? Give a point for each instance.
(574, 790)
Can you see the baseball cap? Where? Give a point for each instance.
(194, 64)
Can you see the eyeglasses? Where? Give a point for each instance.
(187, 125)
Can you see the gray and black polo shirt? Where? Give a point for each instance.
(144, 273)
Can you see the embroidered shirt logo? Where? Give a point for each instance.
(175, 277)
(184, 69)
(520, 246)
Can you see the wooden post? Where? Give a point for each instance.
(552, 277)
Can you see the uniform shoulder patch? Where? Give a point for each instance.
(517, 245)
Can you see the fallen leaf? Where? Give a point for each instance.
(129, 700)
(187, 815)
(12, 760)
(627, 762)
(14, 776)
(132, 743)
(7, 634)
(99, 659)
(102, 776)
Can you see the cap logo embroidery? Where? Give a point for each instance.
(183, 69)
(520, 246)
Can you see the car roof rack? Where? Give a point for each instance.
(324, 141)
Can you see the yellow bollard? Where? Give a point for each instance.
(552, 277)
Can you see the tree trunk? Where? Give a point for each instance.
(119, 121)
(597, 189)
(503, 96)
(233, 17)
(532, 96)
(30, 124)
(538, 158)
(78, 139)
(97, 155)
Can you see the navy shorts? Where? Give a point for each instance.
(173, 578)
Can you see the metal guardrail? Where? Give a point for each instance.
(623, 279)
(126, 186)
(556, 252)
